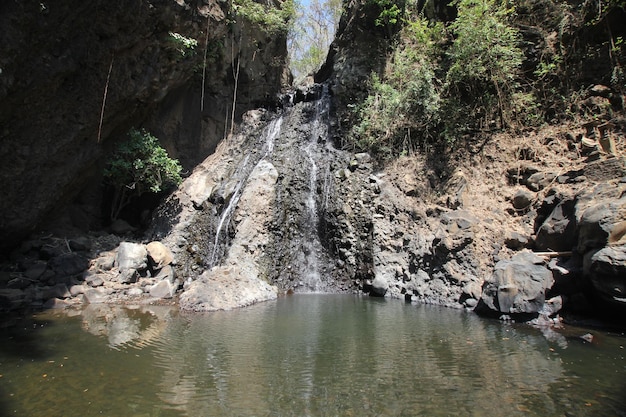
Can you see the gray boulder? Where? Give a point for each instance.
(601, 224)
(558, 231)
(163, 289)
(517, 285)
(131, 256)
(380, 285)
(606, 269)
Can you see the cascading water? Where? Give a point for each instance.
(269, 135)
(311, 245)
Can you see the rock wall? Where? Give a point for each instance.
(56, 60)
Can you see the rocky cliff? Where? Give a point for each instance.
(74, 77)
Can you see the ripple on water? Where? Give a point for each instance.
(306, 355)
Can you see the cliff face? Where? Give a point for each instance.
(57, 61)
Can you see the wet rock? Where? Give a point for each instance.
(517, 285)
(159, 255)
(131, 256)
(76, 290)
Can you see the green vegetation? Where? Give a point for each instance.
(443, 82)
(139, 165)
(184, 45)
(274, 19)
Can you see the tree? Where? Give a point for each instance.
(139, 165)
(311, 35)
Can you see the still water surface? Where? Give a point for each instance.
(305, 355)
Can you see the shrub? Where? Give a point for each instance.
(485, 60)
(137, 166)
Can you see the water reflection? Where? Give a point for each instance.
(314, 355)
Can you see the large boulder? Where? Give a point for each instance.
(606, 269)
(601, 224)
(517, 285)
(225, 288)
(558, 231)
(131, 256)
(159, 255)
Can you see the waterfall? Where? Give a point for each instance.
(269, 135)
(311, 245)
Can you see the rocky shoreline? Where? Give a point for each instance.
(525, 240)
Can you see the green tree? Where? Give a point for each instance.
(485, 60)
(137, 166)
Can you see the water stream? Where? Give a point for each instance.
(311, 245)
(245, 168)
(304, 355)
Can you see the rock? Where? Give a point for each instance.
(166, 274)
(95, 296)
(517, 285)
(159, 255)
(558, 231)
(163, 289)
(76, 290)
(11, 299)
(121, 227)
(516, 241)
(80, 244)
(607, 271)
(225, 288)
(128, 276)
(540, 180)
(105, 261)
(56, 291)
(36, 270)
(522, 200)
(379, 286)
(135, 292)
(56, 303)
(606, 169)
(131, 256)
(68, 264)
(601, 224)
(95, 280)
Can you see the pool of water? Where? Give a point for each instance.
(304, 355)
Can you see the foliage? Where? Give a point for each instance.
(391, 12)
(314, 28)
(442, 82)
(139, 165)
(485, 59)
(405, 108)
(273, 19)
(184, 45)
